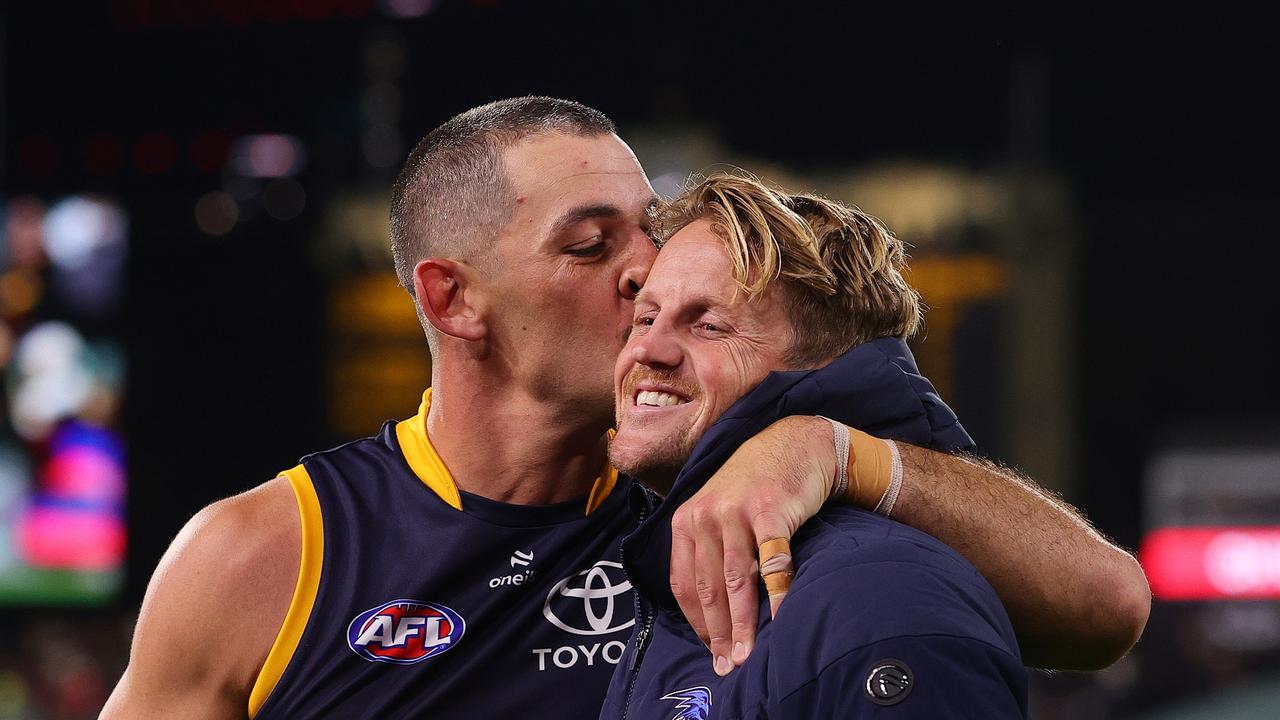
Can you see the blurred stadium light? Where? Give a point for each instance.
(216, 213)
(1213, 517)
(62, 468)
(269, 155)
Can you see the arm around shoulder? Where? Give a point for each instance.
(198, 644)
(1077, 601)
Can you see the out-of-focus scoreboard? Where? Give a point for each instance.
(1213, 519)
(62, 466)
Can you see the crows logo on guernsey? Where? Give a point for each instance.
(405, 631)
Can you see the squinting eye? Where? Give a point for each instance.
(587, 250)
(643, 321)
(709, 326)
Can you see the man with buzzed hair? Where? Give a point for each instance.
(454, 194)
(463, 562)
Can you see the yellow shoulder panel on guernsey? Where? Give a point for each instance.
(422, 456)
(304, 593)
(604, 484)
(431, 470)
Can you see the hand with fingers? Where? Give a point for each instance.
(737, 529)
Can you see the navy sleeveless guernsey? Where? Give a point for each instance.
(415, 600)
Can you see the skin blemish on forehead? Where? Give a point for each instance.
(520, 199)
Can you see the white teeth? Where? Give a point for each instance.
(656, 399)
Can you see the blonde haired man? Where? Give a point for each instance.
(762, 305)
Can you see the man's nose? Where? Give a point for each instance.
(656, 348)
(636, 270)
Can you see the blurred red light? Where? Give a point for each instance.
(314, 9)
(209, 150)
(272, 11)
(103, 154)
(1213, 563)
(355, 8)
(155, 153)
(58, 537)
(85, 474)
(37, 156)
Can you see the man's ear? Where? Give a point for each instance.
(451, 298)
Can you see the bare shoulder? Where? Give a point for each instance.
(239, 548)
(213, 607)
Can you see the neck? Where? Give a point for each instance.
(502, 444)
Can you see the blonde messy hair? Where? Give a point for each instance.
(840, 268)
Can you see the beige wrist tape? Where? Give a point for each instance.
(885, 506)
(873, 468)
(840, 487)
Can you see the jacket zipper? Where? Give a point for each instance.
(642, 637)
(642, 642)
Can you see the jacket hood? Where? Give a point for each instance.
(874, 387)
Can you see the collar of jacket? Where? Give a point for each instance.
(875, 387)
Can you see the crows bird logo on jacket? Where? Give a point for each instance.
(692, 704)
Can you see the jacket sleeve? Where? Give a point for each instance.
(926, 676)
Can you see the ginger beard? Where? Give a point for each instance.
(697, 345)
(670, 436)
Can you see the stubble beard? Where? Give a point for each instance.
(656, 465)
(659, 461)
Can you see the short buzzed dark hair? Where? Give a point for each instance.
(454, 195)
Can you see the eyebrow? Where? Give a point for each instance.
(584, 212)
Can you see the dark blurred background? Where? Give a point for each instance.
(195, 289)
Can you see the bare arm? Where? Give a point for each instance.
(1076, 601)
(198, 645)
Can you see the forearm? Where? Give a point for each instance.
(1075, 600)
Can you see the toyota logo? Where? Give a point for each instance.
(587, 603)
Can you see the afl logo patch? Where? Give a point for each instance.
(890, 682)
(404, 631)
